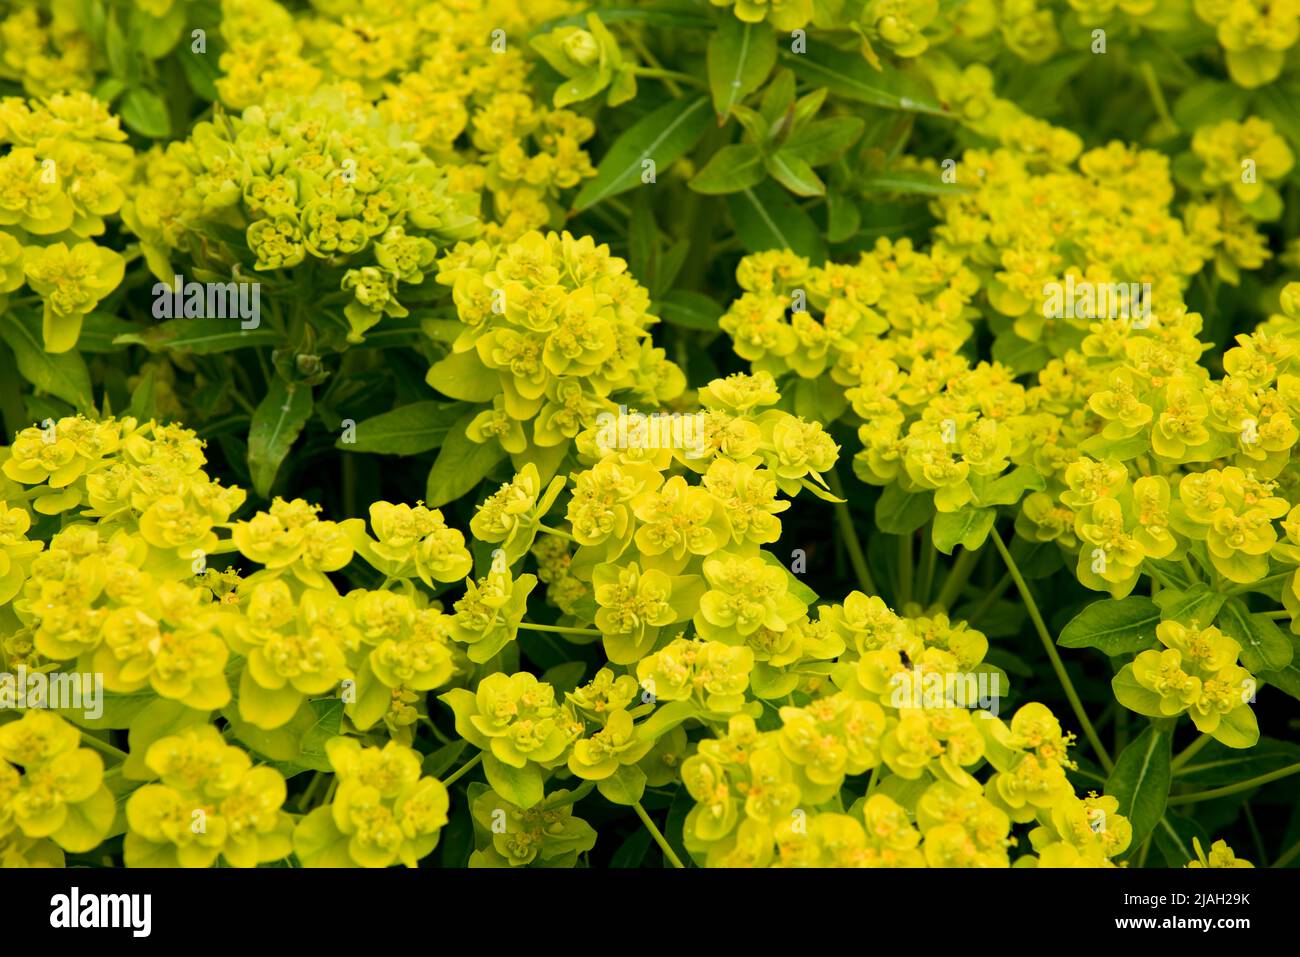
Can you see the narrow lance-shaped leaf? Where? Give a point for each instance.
(1117, 627)
(63, 374)
(277, 421)
(461, 464)
(729, 170)
(767, 217)
(660, 138)
(407, 430)
(848, 75)
(1140, 782)
(741, 55)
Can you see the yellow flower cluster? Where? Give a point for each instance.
(1233, 168)
(320, 176)
(62, 176)
(552, 330)
(453, 76)
(52, 793)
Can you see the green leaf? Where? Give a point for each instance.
(1207, 102)
(99, 332)
(118, 710)
(740, 57)
(63, 375)
(521, 786)
(968, 526)
(632, 851)
(824, 141)
(323, 720)
(1197, 603)
(662, 137)
(407, 430)
(730, 170)
(461, 375)
(122, 60)
(1173, 837)
(1117, 627)
(277, 421)
(1140, 782)
(1217, 765)
(625, 786)
(662, 13)
(145, 112)
(766, 217)
(438, 763)
(842, 217)
(690, 310)
(1169, 574)
(281, 744)
(901, 513)
(848, 75)
(642, 239)
(794, 174)
(198, 336)
(1036, 559)
(565, 676)
(461, 464)
(201, 72)
(1020, 355)
(1263, 645)
(912, 182)
(144, 397)
(1006, 489)
(1286, 679)
(160, 718)
(1276, 103)
(318, 842)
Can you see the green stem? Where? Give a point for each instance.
(307, 795)
(554, 531)
(1050, 647)
(644, 53)
(668, 76)
(103, 747)
(1289, 855)
(958, 577)
(442, 738)
(904, 570)
(1276, 615)
(1189, 752)
(1237, 788)
(928, 568)
(349, 486)
(1157, 95)
(12, 406)
(1142, 854)
(988, 601)
(850, 535)
(560, 629)
(1260, 853)
(659, 838)
(465, 768)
